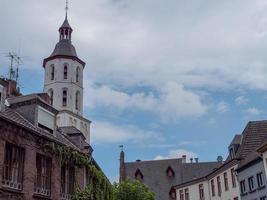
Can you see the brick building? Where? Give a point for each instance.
(28, 123)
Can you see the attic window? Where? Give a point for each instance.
(138, 175)
(170, 172)
(172, 194)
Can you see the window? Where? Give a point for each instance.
(225, 177)
(201, 192)
(67, 181)
(42, 184)
(219, 186)
(233, 177)
(170, 172)
(251, 184)
(212, 188)
(51, 94)
(138, 175)
(64, 97)
(65, 72)
(181, 195)
(236, 198)
(260, 179)
(243, 186)
(52, 72)
(172, 194)
(263, 198)
(77, 74)
(13, 167)
(186, 192)
(77, 100)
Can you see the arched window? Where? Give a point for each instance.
(51, 95)
(170, 172)
(52, 72)
(77, 100)
(64, 97)
(138, 175)
(65, 72)
(77, 74)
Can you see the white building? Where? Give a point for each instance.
(64, 82)
(221, 184)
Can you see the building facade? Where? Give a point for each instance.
(42, 135)
(252, 178)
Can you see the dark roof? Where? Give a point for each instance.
(64, 48)
(155, 176)
(253, 136)
(237, 140)
(65, 24)
(17, 119)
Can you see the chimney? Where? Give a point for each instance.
(191, 160)
(184, 159)
(196, 160)
(138, 160)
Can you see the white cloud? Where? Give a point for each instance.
(107, 133)
(178, 153)
(173, 101)
(241, 100)
(253, 111)
(222, 107)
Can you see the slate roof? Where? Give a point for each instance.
(64, 48)
(65, 24)
(155, 176)
(253, 136)
(237, 140)
(17, 119)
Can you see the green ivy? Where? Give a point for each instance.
(99, 188)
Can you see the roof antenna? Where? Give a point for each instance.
(67, 8)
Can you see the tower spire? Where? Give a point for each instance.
(67, 8)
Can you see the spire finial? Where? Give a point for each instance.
(67, 8)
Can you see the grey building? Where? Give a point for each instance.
(252, 178)
(161, 175)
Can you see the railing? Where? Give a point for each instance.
(42, 191)
(65, 196)
(11, 178)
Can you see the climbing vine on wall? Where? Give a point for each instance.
(99, 188)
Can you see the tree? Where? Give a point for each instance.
(132, 190)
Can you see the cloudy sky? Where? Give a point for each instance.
(163, 77)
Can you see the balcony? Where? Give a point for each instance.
(65, 196)
(42, 191)
(12, 178)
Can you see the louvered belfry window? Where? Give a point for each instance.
(13, 167)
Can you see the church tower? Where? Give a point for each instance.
(64, 81)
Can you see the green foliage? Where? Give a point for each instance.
(132, 190)
(99, 188)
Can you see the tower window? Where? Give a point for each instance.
(51, 94)
(77, 100)
(52, 71)
(64, 98)
(77, 74)
(65, 72)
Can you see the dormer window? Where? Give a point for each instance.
(77, 74)
(52, 72)
(65, 71)
(64, 97)
(232, 152)
(170, 172)
(172, 194)
(138, 175)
